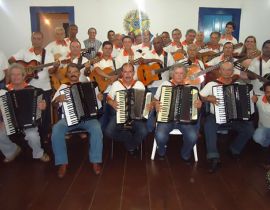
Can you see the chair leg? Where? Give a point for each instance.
(112, 149)
(195, 153)
(141, 148)
(154, 149)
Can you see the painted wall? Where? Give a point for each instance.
(109, 14)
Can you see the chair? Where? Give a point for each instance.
(173, 132)
(141, 149)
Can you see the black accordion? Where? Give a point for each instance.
(80, 104)
(19, 109)
(234, 102)
(132, 105)
(177, 104)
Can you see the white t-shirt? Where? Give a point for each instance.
(223, 40)
(208, 91)
(255, 67)
(165, 75)
(55, 48)
(172, 47)
(124, 58)
(43, 80)
(3, 65)
(118, 85)
(219, 59)
(264, 112)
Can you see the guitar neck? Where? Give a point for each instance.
(40, 67)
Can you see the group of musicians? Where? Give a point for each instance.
(124, 55)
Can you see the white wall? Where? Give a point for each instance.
(109, 14)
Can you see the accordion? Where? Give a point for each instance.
(19, 109)
(80, 104)
(177, 104)
(234, 102)
(132, 105)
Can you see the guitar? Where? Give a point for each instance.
(194, 75)
(101, 81)
(60, 77)
(33, 67)
(145, 73)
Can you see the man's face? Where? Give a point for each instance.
(138, 39)
(228, 49)
(127, 43)
(190, 37)
(229, 29)
(226, 70)
(127, 73)
(214, 39)
(266, 50)
(118, 41)
(166, 38)
(200, 37)
(192, 51)
(176, 35)
(158, 44)
(16, 76)
(146, 36)
(111, 36)
(75, 48)
(92, 33)
(37, 40)
(179, 75)
(107, 50)
(73, 74)
(59, 35)
(73, 30)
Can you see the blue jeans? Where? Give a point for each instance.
(244, 131)
(132, 138)
(106, 113)
(95, 140)
(190, 136)
(262, 136)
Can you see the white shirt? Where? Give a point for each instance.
(255, 67)
(123, 58)
(118, 85)
(223, 40)
(172, 47)
(165, 75)
(3, 65)
(43, 80)
(264, 112)
(219, 59)
(208, 91)
(55, 49)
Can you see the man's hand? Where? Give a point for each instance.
(212, 99)
(60, 99)
(42, 105)
(254, 99)
(197, 104)
(113, 104)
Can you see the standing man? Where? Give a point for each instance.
(72, 33)
(92, 43)
(190, 37)
(227, 36)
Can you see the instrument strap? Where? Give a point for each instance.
(260, 67)
(43, 56)
(114, 65)
(79, 63)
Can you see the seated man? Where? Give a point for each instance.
(243, 128)
(60, 129)
(133, 137)
(10, 150)
(262, 133)
(189, 131)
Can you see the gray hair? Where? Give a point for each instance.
(16, 66)
(177, 66)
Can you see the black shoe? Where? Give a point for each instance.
(233, 155)
(214, 165)
(186, 161)
(160, 157)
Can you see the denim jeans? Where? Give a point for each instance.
(262, 136)
(244, 131)
(151, 121)
(131, 137)
(106, 113)
(190, 136)
(59, 143)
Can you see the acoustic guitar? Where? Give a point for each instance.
(101, 81)
(33, 67)
(145, 73)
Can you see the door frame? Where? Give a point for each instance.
(236, 17)
(35, 11)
